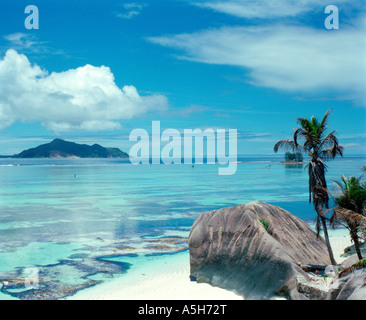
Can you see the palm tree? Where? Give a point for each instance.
(351, 208)
(320, 147)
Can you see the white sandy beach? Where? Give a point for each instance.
(167, 278)
(339, 239)
(163, 278)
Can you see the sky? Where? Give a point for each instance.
(92, 71)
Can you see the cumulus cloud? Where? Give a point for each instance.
(85, 98)
(289, 58)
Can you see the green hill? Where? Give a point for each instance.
(59, 148)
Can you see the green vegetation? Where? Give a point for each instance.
(320, 147)
(59, 148)
(351, 209)
(265, 224)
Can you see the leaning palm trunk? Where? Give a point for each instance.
(355, 240)
(318, 190)
(326, 237)
(355, 223)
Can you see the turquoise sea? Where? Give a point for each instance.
(68, 224)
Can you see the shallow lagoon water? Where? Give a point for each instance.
(82, 221)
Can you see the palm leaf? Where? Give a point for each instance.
(352, 194)
(298, 133)
(331, 153)
(308, 132)
(323, 123)
(355, 222)
(287, 145)
(330, 140)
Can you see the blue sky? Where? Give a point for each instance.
(96, 70)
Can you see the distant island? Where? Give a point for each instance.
(293, 158)
(59, 148)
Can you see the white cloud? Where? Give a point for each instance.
(21, 40)
(130, 10)
(29, 43)
(289, 58)
(265, 8)
(86, 98)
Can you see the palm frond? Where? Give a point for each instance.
(351, 206)
(340, 185)
(297, 134)
(330, 140)
(355, 222)
(331, 153)
(362, 230)
(352, 218)
(286, 145)
(308, 138)
(323, 123)
(315, 125)
(309, 132)
(351, 194)
(305, 124)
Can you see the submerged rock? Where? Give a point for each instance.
(255, 250)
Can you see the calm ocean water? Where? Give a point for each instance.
(68, 224)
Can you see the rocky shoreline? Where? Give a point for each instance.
(260, 251)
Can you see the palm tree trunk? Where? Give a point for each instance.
(357, 245)
(326, 237)
(317, 187)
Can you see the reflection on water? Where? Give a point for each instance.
(294, 166)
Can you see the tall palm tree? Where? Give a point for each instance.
(320, 147)
(351, 208)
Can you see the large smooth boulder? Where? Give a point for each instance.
(254, 250)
